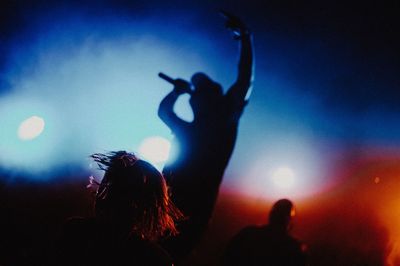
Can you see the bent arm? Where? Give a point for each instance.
(166, 110)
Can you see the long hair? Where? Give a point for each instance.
(135, 192)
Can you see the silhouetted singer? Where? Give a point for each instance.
(206, 144)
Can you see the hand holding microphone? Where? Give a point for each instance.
(180, 85)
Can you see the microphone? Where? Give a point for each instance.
(178, 83)
(167, 78)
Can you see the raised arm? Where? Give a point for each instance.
(166, 108)
(241, 89)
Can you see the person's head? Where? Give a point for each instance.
(133, 194)
(206, 96)
(281, 214)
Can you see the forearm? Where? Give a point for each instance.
(245, 66)
(165, 110)
(241, 89)
(245, 70)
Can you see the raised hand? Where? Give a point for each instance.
(235, 24)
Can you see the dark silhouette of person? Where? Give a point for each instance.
(205, 144)
(133, 211)
(269, 244)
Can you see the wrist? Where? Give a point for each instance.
(245, 32)
(177, 91)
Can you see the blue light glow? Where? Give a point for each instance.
(37, 153)
(94, 82)
(96, 92)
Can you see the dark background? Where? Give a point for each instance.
(330, 67)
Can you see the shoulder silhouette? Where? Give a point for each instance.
(270, 244)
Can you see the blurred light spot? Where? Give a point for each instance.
(18, 126)
(377, 180)
(283, 177)
(31, 128)
(270, 176)
(155, 149)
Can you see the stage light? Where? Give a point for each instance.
(283, 178)
(291, 168)
(31, 128)
(155, 149)
(29, 142)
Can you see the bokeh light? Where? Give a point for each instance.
(292, 167)
(31, 128)
(17, 152)
(155, 149)
(283, 178)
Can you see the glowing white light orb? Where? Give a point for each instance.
(31, 128)
(283, 177)
(155, 149)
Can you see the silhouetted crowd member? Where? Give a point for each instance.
(206, 144)
(132, 212)
(270, 244)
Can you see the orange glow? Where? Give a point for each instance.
(361, 212)
(383, 200)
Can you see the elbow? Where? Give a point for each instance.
(245, 83)
(164, 114)
(248, 83)
(161, 113)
